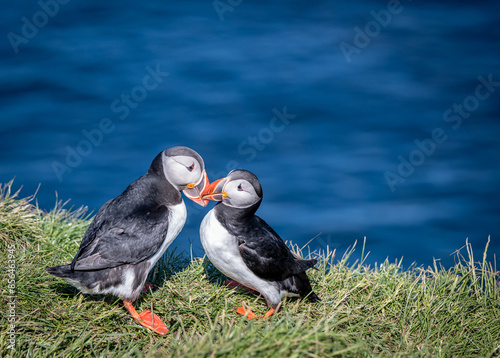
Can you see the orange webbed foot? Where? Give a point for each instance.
(147, 319)
(245, 312)
(250, 315)
(269, 313)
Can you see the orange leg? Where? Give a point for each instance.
(147, 319)
(250, 315)
(269, 313)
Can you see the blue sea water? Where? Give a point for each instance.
(365, 118)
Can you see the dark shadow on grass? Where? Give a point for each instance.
(214, 276)
(172, 262)
(66, 291)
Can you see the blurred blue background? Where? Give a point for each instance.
(356, 84)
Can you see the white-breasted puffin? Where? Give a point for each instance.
(132, 231)
(245, 248)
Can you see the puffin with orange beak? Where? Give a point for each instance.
(245, 248)
(132, 231)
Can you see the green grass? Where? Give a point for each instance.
(379, 311)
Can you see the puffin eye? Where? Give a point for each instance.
(240, 187)
(191, 167)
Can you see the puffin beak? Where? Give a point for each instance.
(215, 191)
(195, 191)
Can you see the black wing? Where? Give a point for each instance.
(265, 253)
(118, 237)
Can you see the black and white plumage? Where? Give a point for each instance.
(245, 248)
(130, 232)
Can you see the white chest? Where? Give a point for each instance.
(176, 221)
(218, 244)
(222, 250)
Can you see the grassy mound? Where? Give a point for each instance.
(379, 311)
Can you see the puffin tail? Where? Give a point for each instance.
(303, 265)
(60, 271)
(313, 297)
(300, 284)
(311, 263)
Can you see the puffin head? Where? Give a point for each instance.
(185, 170)
(239, 189)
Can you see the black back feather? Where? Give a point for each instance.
(264, 252)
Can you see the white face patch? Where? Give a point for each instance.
(240, 194)
(182, 170)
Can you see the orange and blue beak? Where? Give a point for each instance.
(196, 191)
(215, 191)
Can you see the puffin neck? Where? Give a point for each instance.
(156, 166)
(156, 170)
(237, 215)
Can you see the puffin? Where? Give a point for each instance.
(246, 249)
(132, 231)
